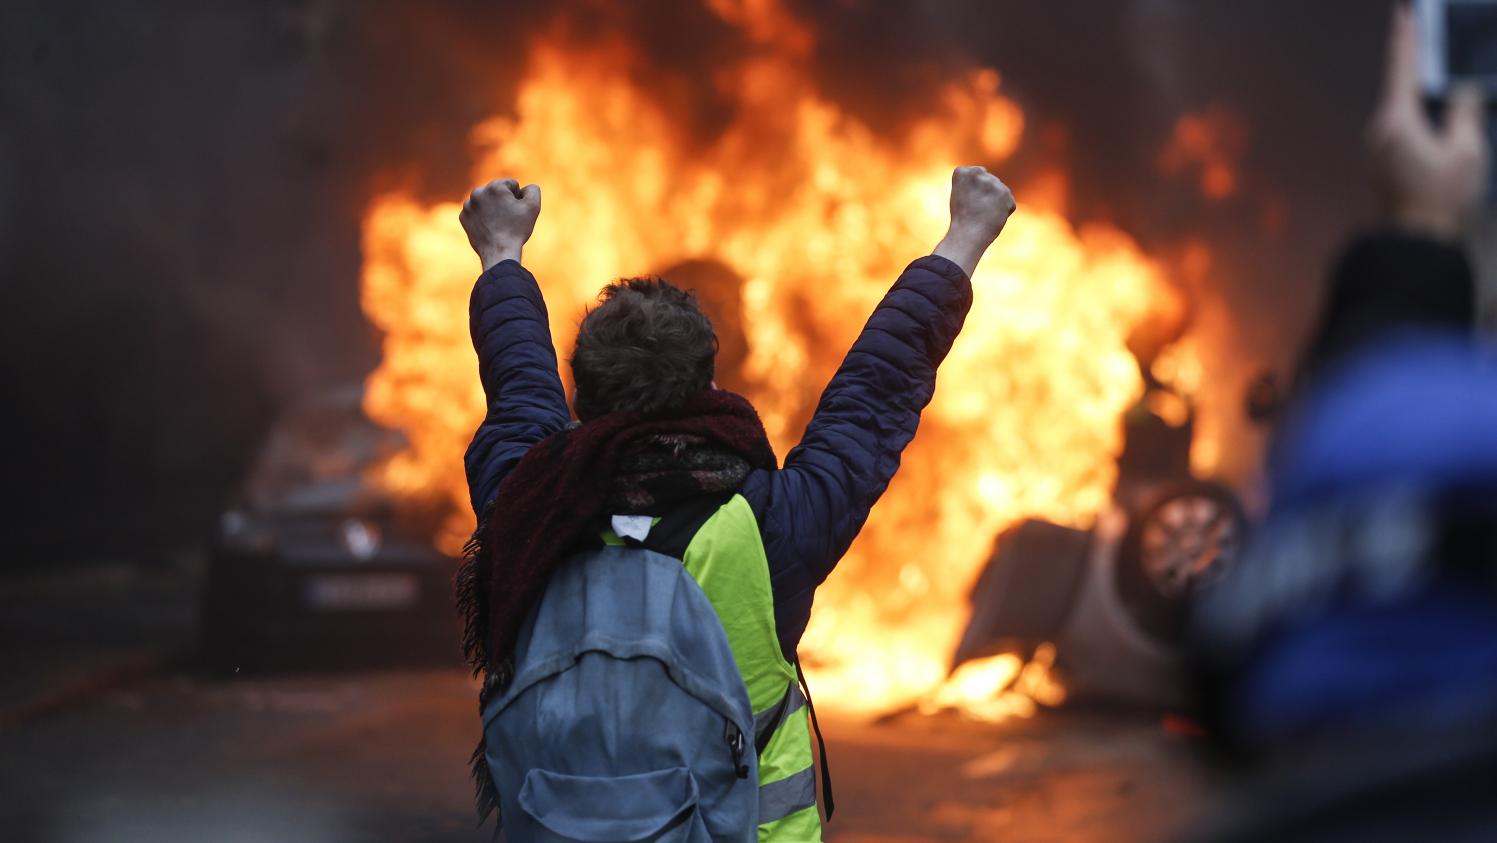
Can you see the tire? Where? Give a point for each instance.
(1183, 541)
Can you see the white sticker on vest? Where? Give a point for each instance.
(632, 526)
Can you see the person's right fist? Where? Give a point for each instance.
(980, 204)
(499, 217)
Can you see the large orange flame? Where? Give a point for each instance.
(817, 214)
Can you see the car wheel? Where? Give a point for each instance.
(1182, 542)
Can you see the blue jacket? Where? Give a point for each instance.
(1413, 415)
(808, 511)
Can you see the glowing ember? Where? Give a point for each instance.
(1211, 144)
(817, 215)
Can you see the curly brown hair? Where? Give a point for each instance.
(646, 348)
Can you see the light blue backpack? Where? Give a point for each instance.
(627, 719)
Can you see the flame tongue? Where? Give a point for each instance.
(816, 215)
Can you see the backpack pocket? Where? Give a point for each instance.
(660, 807)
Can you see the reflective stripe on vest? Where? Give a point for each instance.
(726, 558)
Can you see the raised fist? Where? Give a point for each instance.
(980, 207)
(499, 218)
(980, 203)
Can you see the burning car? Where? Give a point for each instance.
(316, 565)
(1112, 599)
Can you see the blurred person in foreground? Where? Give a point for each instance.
(1351, 658)
(662, 460)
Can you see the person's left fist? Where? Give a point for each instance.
(499, 217)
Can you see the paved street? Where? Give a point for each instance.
(380, 756)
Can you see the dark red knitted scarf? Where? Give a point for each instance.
(621, 463)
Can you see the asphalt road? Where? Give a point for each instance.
(381, 756)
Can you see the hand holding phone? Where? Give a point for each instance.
(1430, 178)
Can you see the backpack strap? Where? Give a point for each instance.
(826, 770)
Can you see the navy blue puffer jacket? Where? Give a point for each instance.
(810, 510)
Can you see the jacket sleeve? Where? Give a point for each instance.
(517, 365)
(810, 511)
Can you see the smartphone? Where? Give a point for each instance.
(1460, 44)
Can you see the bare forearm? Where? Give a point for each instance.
(495, 255)
(963, 247)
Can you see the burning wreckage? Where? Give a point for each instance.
(1107, 605)
(790, 216)
(315, 562)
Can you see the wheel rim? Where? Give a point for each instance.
(1187, 542)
